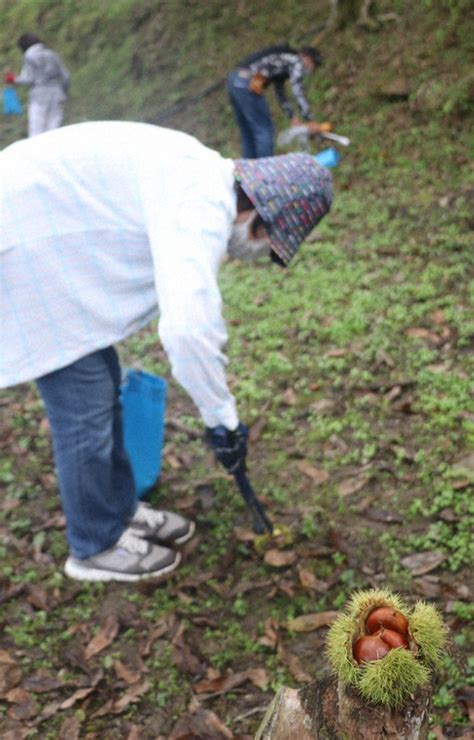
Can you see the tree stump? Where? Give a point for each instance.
(330, 710)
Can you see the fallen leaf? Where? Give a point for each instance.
(224, 684)
(457, 591)
(378, 515)
(24, 706)
(200, 724)
(286, 587)
(393, 393)
(259, 677)
(183, 658)
(9, 504)
(335, 446)
(245, 586)
(244, 535)
(428, 586)
(104, 637)
(448, 515)
(42, 682)
(135, 733)
(352, 485)
(131, 696)
(173, 461)
(10, 673)
(323, 406)
(459, 485)
(337, 352)
(280, 558)
(309, 581)
(163, 627)
(310, 622)
(423, 562)
(438, 369)
(293, 663)
(317, 475)
(438, 316)
(271, 629)
(126, 674)
(38, 597)
(421, 333)
(116, 706)
(70, 729)
(205, 621)
(258, 426)
(76, 696)
(289, 397)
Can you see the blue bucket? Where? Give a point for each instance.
(11, 102)
(143, 398)
(328, 157)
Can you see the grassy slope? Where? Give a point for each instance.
(393, 257)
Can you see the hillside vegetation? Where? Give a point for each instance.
(353, 369)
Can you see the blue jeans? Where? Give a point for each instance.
(253, 117)
(95, 477)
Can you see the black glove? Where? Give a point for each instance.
(230, 448)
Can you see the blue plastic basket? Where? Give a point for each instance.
(143, 398)
(328, 157)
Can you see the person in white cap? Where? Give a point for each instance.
(104, 224)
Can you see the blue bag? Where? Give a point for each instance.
(11, 102)
(143, 398)
(328, 157)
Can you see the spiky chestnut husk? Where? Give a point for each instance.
(339, 650)
(429, 632)
(351, 625)
(391, 680)
(394, 678)
(362, 603)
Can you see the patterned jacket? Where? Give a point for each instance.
(277, 64)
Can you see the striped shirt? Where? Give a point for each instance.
(104, 223)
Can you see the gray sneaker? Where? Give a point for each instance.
(161, 526)
(130, 559)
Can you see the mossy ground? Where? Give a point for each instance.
(374, 319)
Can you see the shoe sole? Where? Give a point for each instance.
(79, 573)
(186, 537)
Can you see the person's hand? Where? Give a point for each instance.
(9, 78)
(230, 447)
(295, 121)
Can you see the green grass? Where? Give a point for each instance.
(382, 298)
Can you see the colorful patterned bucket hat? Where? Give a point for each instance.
(291, 192)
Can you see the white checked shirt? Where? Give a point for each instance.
(102, 223)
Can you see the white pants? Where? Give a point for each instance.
(44, 116)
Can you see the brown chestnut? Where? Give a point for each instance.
(389, 618)
(393, 639)
(369, 647)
